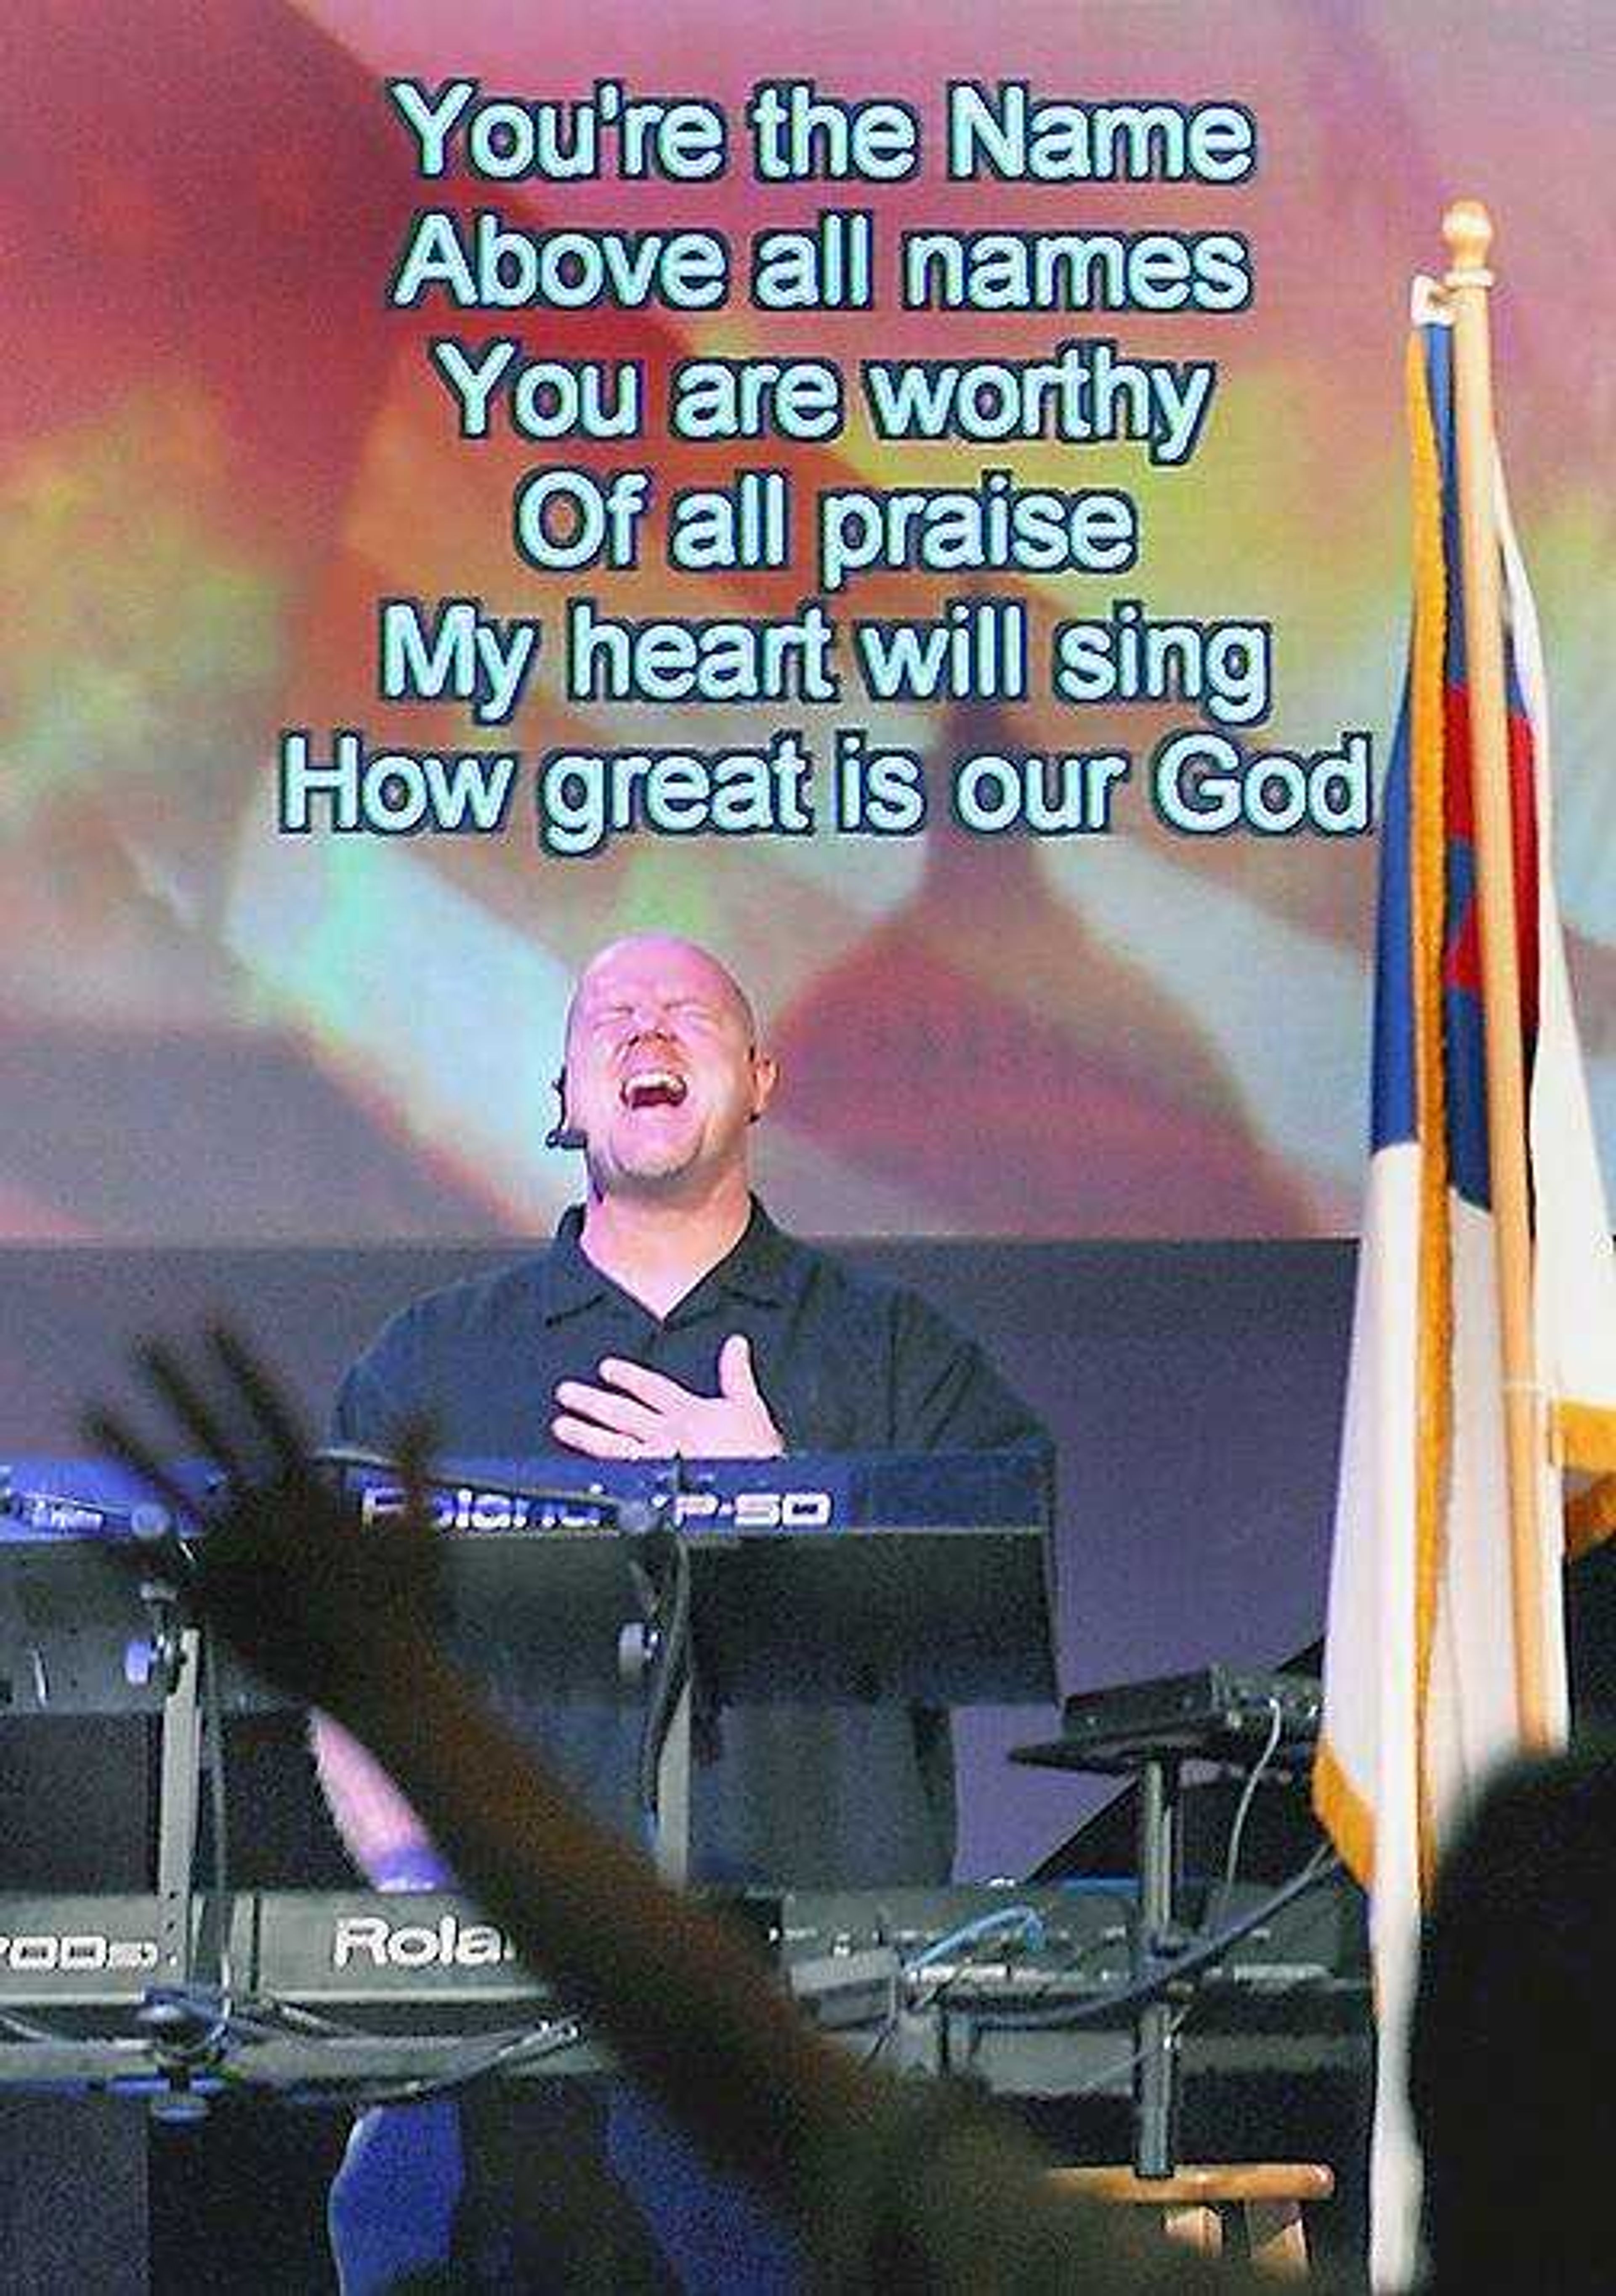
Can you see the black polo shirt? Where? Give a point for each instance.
(787, 1795)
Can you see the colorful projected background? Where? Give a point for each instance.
(218, 448)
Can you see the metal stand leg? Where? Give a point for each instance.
(1156, 2046)
(673, 1796)
(648, 1651)
(643, 1654)
(178, 1797)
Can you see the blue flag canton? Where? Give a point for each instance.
(1396, 1103)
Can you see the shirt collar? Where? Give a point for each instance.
(756, 1268)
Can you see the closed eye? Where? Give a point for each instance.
(608, 1017)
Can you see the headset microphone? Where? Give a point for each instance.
(562, 1134)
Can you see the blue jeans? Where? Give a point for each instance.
(567, 2186)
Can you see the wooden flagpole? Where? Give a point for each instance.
(1467, 229)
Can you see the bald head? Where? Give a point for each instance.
(640, 957)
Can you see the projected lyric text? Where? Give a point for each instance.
(769, 499)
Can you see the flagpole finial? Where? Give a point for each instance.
(1468, 230)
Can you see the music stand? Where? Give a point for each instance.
(910, 1612)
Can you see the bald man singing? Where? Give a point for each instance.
(669, 1317)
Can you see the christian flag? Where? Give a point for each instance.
(1419, 1690)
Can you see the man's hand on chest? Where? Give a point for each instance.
(638, 1413)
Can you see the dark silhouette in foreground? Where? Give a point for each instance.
(1513, 2059)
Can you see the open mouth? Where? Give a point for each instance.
(653, 1088)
